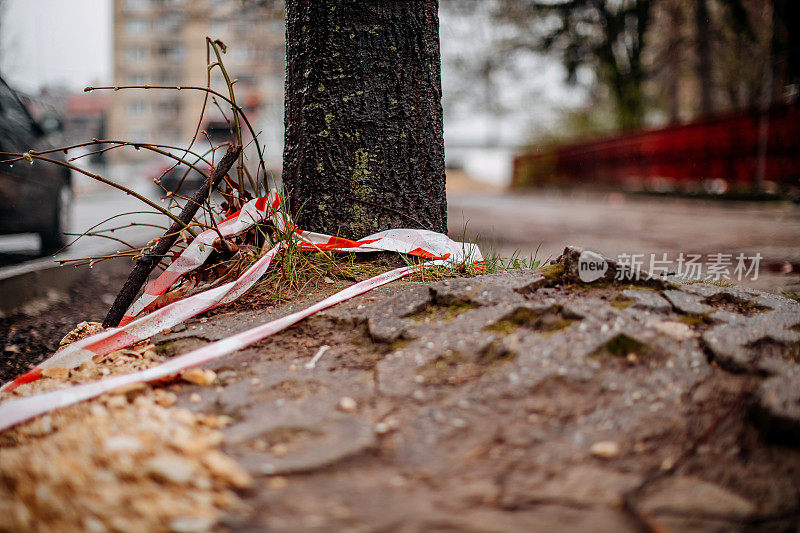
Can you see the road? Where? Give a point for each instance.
(88, 210)
(614, 224)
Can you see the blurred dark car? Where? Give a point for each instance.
(176, 179)
(34, 197)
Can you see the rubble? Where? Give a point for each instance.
(128, 461)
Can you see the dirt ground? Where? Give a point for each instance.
(511, 402)
(27, 339)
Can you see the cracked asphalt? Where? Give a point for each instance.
(517, 402)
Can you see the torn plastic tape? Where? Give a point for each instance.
(16, 411)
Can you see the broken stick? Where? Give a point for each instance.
(148, 261)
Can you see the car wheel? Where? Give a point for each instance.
(53, 238)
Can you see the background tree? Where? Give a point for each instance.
(606, 36)
(364, 147)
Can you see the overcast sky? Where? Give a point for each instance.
(55, 42)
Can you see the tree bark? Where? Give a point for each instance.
(364, 148)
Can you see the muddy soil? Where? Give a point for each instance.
(27, 339)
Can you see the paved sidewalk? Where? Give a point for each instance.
(508, 402)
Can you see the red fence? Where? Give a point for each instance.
(736, 148)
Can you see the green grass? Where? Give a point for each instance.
(295, 271)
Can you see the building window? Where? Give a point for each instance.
(170, 79)
(138, 79)
(173, 105)
(136, 54)
(137, 135)
(244, 53)
(135, 5)
(137, 108)
(246, 79)
(172, 52)
(169, 25)
(137, 27)
(171, 135)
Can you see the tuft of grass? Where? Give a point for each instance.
(621, 304)
(620, 346)
(495, 263)
(717, 282)
(694, 320)
(552, 272)
(295, 271)
(791, 295)
(444, 312)
(547, 322)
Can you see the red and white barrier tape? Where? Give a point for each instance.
(148, 325)
(15, 411)
(200, 248)
(420, 243)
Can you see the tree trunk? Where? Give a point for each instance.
(364, 146)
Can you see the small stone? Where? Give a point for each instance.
(458, 423)
(165, 398)
(191, 524)
(279, 450)
(676, 330)
(130, 387)
(122, 443)
(38, 426)
(215, 421)
(55, 373)
(199, 376)
(98, 410)
(293, 367)
(87, 366)
(277, 483)
(93, 525)
(382, 428)
(686, 495)
(116, 402)
(223, 467)
(171, 468)
(194, 398)
(605, 449)
(84, 329)
(255, 381)
(347, 404)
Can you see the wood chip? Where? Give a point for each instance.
(199, 376)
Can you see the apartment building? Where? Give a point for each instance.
(162, 42)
